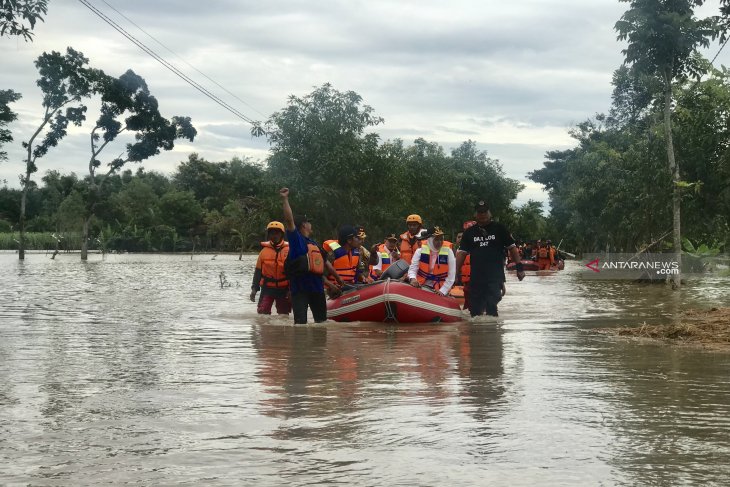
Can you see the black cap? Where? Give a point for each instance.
(346, 232)
(299, 220)
(481, 206)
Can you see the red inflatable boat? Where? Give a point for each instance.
(394, 301)
(531, 265)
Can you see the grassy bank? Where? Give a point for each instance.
(705, 328)
(41, 241)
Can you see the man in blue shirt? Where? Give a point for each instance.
(307, 288)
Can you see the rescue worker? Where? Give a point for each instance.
(366, 259)
(527, 251)
(344, 254)
(269, 277)
(305, 266)
(386, 254)
(409, 241)
(434, 264)
(545, 256)
(553, 254)
(486, 243)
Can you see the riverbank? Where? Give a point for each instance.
(704, 328)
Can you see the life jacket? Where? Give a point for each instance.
(272, 261)
(448, 244)
(466, 270)
(311, 263)
(542, 253)
(345, 262)
(406, 249)
(440, 268)
(384, 258)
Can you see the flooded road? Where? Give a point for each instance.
(142, 369)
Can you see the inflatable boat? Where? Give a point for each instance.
(531, 265)
(394, 301)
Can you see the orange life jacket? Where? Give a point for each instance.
(271, 262)
(466, 270)
(448, 244)
(406, 249)
(440, 268)
(384, 258)
(315, 260)
(311, 263)
(345, 262)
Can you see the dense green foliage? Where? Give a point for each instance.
(613, 189)
(338, 174)
(655, 169)
(6, 116)
(19, 17)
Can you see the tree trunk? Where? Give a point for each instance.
(674, 169)
(85, 239)
(21, 250)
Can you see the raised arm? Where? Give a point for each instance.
(288, 215)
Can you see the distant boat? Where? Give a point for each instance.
(531, 265)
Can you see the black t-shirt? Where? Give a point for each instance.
(487, 245)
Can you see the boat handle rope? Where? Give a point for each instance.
(389, 313)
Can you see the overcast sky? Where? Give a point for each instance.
(512, 76)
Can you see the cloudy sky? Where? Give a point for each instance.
(513, 76)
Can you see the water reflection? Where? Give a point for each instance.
(142, 369)
(344, 377)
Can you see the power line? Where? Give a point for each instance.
(181, 59)
(721, 48)
(165, 63)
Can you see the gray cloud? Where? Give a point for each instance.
(512, 76)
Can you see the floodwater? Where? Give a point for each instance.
(141, 369)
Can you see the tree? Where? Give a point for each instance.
(18, 17)
(127, 106)
(6, 116)
(663, 37)
(529, 221)
(180, 210)
(56, 188)
(65, 80)
(318, 148)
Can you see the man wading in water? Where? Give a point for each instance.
(305, 266)
(485, 243)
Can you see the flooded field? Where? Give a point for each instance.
(142, 369)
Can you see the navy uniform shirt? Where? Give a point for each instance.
(487, 245)
(298, 247)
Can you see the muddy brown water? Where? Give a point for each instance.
(141, 369)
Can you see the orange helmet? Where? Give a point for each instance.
(414, 219)
(275, 226)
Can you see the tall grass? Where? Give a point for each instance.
(41, 241)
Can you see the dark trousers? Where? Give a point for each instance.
(484, 297)
(315, 301)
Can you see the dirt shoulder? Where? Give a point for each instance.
(702, 328)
